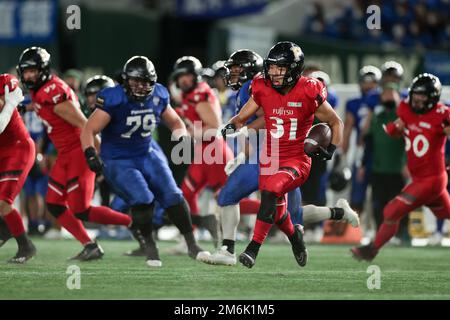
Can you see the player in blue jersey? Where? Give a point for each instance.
(358, 111)
(243, 170)
(126, 116)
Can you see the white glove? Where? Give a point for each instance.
(242, 131)
(233, 164)
(14, 97)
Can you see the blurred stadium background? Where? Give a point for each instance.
(332, 34)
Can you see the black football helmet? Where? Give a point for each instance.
(34, 57)
(250, 62)
(185, 65)
(285, 54)
(426, 84)
(392, 68)
(139, 68)
(97, 83)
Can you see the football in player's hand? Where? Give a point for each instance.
(318, 136)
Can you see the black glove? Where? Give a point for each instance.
(93, 160)
(22, 108)
(229, 128)
(325, 154)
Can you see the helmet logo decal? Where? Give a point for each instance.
(297, 53)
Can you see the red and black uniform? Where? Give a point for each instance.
(214, 154)
(17, 153)
(284, 165)
(425, 147)
(71, 182)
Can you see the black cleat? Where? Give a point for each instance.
(24, 254)
(366, 253)
(298, 246)
(5, 234)
(139, 252)
(247, 258)
(91, 251)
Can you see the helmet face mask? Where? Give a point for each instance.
(34, 58)
(185, 68)
(243, 65)
(139, 77)
(289, 59)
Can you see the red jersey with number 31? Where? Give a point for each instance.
(64, 136)
(288, 117)
(425, 139)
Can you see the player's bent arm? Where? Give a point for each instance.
(395, 128)
(249, 109)
(98, 120)
(174, 122)
(327, 114)
(70, 111)
(348, 127)
(210, 115)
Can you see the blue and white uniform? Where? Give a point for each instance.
(137, 172)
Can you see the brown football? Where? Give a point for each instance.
(319, 135)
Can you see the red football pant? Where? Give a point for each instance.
(431, 192)
(15, 164)
(210, 173)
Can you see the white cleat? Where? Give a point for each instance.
(203, 256)
(179, 249)
(154, 263)
(349, 215)
(222, 257)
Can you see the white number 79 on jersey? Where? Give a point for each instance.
(148, 123)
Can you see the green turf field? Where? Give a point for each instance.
(406, 273)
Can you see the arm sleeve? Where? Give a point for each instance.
(317, 92)
(5, 116)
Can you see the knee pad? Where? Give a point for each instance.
(55, 209)
(142, 213)
(268, 206)
(84, 215)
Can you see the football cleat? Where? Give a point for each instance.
(139, 252)
(366, 253)
(298, 246)
(91, 251)
(349, 214)
(222, 257)
(24, 254)
(153, 259)
(247, 258)
(197, 253)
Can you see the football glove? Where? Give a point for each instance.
(93, 160)
(234, 163)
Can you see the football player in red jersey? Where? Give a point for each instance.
(425, 125)
(17, 154)
(201, 112)
(289, 102)
(71, 182)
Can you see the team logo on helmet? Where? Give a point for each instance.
(297, 53)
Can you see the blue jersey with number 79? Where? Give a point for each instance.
(129, 133)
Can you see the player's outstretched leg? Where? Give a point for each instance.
(263, 224)
(179, 215)
(13, 222)
(298, 246)
(341, 212)
(366, 253)
(91, 251)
